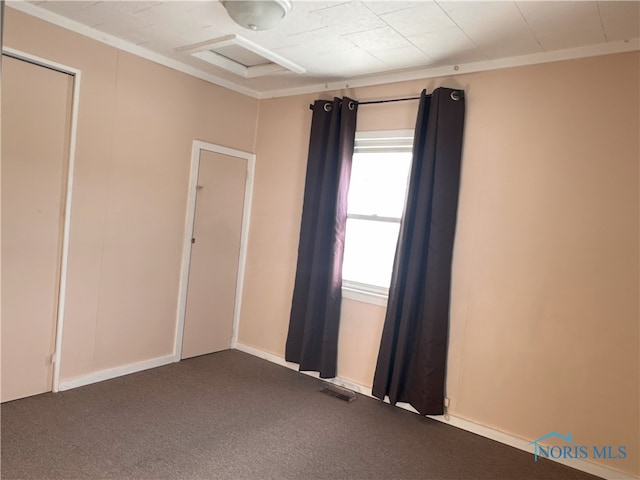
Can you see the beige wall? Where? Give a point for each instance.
(544, 310)
(137, 121)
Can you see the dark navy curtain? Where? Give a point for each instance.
(411, 362)
(312, 340)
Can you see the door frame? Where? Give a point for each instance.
(198, 147)
(66, 227)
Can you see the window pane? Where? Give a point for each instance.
(369, 250)
(378, 183)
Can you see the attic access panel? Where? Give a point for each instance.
(241, 56)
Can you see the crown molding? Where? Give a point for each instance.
(362, 81)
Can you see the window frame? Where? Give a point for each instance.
(376, 141)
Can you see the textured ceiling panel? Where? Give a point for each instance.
(343, 39)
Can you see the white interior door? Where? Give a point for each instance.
(36, 123)
(215, 254)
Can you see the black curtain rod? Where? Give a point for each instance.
(455, 95)
(375, 102)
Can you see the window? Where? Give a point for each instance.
(379, 176)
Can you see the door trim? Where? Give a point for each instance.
(198, 147)
(64, 258)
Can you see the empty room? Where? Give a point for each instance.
(320, 239)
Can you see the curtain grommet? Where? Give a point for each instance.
(327, 107)
(455, 95)
(352, 105)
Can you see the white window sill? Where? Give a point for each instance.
(364, 296)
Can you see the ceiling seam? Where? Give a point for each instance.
(604, 31)
(461, 29)
(330, 6)
(529, 27)
(427, 57)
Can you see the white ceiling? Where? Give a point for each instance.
(360, 42)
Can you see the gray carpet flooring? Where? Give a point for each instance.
(230, 415)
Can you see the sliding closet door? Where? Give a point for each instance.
(215, 254)
(36, 118)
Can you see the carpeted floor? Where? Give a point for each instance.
(230, 415)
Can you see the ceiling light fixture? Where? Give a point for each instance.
(257, 14)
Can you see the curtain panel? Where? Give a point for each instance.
(411, 362)
(312, 339)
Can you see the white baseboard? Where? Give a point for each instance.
(467, 425)
(114, 372)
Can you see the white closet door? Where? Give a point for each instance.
(36, 119)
